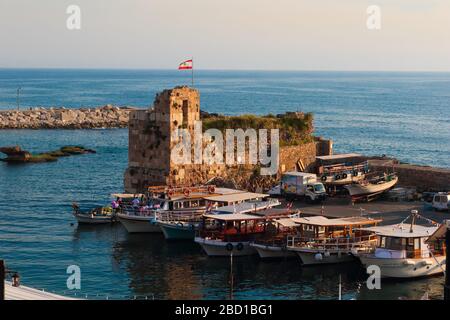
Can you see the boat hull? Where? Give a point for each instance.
(358, 191)
(310, 257)
(87, 219)
(217, 248)
(138, 224)
(177, 231)
(272, 252)
(405, 268)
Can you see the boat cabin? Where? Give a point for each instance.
(232, 227)
(404, 241)
(320, 227)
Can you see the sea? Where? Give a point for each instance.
(400, 114)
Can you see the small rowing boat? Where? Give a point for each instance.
(99, 215)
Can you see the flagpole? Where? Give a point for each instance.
(192, 73)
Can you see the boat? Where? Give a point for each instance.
(99, 215)
(408, 250)
(372, 187)
(182, 227)
(164, 203)
(341, 169)
(233, 233)
(323, 240)
(273, 244)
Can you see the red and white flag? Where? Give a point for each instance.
(185, 65)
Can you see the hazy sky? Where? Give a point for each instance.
(227, 34)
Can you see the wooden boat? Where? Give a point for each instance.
(273, 244)
(368, 189)
(223, 234)
(341, 169)
(326, 241)
(182, 227)
(99, 215)
(407, 250)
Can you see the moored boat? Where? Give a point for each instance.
(99, 215)
(407, 250)
(176, 226)
(223, 234)
(368, 189)
(323, 240)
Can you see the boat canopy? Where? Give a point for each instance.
(236, 197)
(127, 195)
(286, 222)
(339, 156)
(335, 222)
(245, 207)
(233, 217)
(403, 231)
(439, 233)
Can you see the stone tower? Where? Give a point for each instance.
(150, 142)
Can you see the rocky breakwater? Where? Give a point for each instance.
(61, 118)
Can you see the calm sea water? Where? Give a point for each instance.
(406, 115)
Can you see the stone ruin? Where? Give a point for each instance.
(150, 146)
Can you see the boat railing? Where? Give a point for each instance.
(179, 217)
(138, 211)
(362, 243)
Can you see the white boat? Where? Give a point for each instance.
(176, 226)
(368, 189)
(407, 250)
(327, 241)
(100, 215)
(164, 203)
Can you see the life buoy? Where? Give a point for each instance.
(355, 173)
(337, 177)
(229, 247)
(180, 224)
(344, 176)
(170, 192)
(324, 178)
(186, 192)
(240, 246)
(211, 189)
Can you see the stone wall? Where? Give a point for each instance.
(150, 146)
(58, 118)
(419, 177)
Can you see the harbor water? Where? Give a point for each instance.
(401, 114)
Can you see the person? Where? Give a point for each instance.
(114, 205)
(135, 202)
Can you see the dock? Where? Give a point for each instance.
(27, 293)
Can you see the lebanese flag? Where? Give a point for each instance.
(185, 65)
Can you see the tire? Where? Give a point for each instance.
(239, 246)
(229, 247)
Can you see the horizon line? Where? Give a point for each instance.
(222, 70)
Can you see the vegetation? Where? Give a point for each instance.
(295, 128)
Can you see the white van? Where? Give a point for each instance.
(441, 201)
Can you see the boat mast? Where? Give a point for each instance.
(413, 220)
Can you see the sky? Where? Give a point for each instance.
(227, 34)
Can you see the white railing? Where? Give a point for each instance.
(339, 243)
